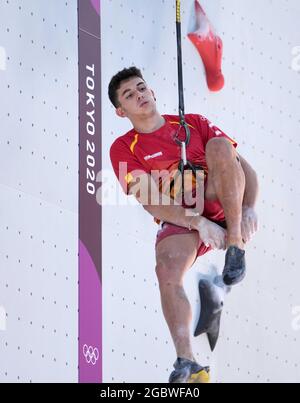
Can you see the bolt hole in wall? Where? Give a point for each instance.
(2, 318)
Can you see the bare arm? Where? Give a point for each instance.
(252, 186)
(249, 223)
(145, 190)
(161, 206)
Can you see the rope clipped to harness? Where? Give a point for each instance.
(180, 89)
(184, 164)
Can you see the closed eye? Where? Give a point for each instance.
(141, 89)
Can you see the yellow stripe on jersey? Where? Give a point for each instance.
(178, 123)
(128, 178)
(133, 144)
(232, 141)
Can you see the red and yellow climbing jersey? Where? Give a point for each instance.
(145, 152)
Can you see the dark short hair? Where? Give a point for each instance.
(115, 82)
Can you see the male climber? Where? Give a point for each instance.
(225, 220)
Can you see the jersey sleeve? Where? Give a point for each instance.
(125, 164)
(209, 130)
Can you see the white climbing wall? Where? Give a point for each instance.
(38, 191)
(258, 107)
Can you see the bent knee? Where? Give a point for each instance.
(171, 268)
(167, 275)
(219, 146)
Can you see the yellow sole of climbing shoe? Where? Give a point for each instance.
(200, 377)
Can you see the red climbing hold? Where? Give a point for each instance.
(210, 48)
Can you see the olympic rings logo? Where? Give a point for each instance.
(91, 354)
